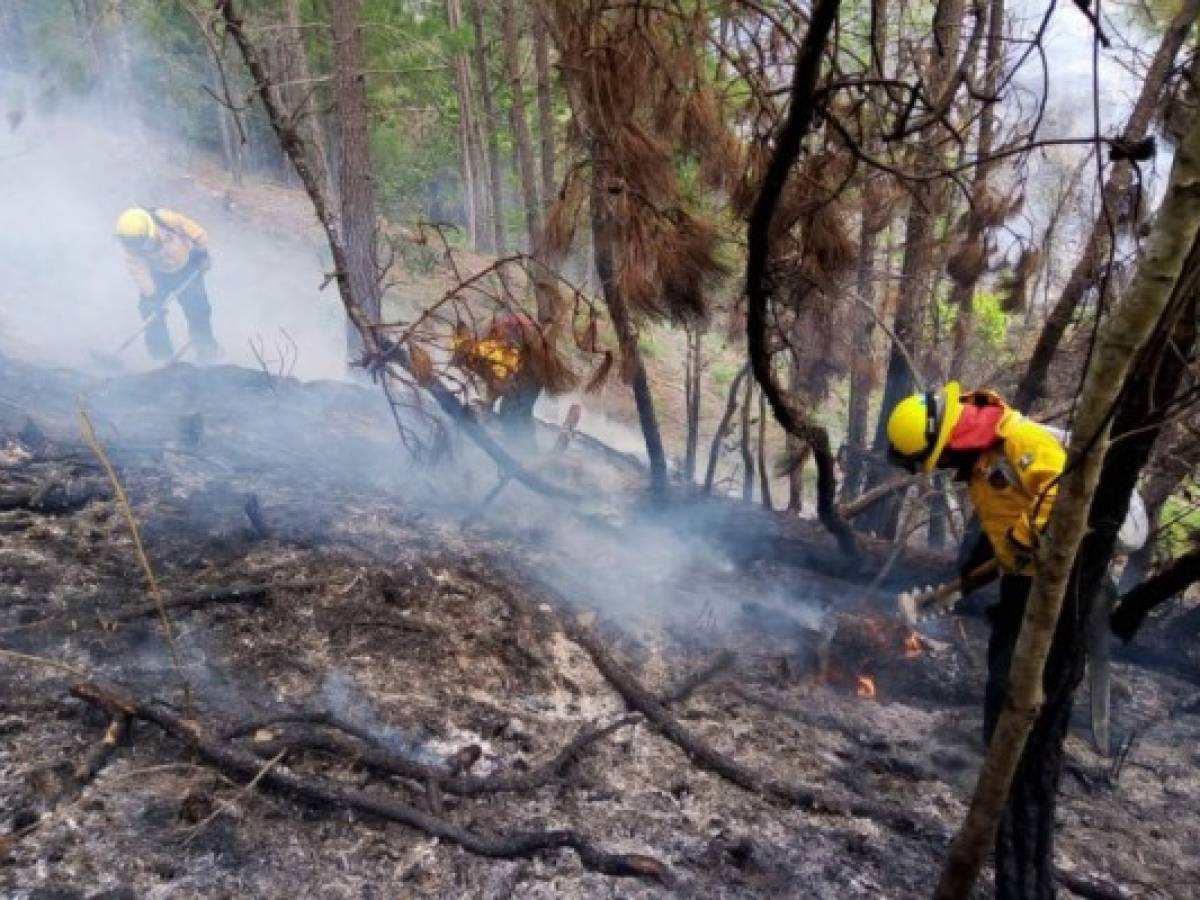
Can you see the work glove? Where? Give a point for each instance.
(913, 610)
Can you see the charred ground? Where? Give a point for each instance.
(378, 596)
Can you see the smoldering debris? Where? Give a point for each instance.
(384, 618)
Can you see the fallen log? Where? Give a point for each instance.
(444, 778)
(711, 759)
(324, 792)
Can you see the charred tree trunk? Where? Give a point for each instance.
(521, 140)
(744, 446)
(722, 432)
(862, 367)
(490, 127)
(357, 187)
(545, 104)
(764, 469)
(603, 242)
(1092, 261)
(787, 150)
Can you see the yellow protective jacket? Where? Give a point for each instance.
(1013, 486)
(178, 236)
(496, 361)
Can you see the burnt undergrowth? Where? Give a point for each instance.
(372, 639)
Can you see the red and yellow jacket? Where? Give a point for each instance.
(1013, 486)
(178, 236)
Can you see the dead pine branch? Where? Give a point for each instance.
(323, 792)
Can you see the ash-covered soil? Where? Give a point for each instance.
(382, 597)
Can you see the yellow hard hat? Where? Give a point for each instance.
(136, 226)
(920, 425)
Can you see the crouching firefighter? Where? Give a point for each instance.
(1011, 467)
(167, 255)
(505, 363)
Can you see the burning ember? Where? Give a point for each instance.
(865, 687)
(912, 646)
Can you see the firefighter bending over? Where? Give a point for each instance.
(1010, 465)
(502, 361)
(167, 254)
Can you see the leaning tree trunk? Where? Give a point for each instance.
(603, 241)
(357, 188)
(524, 147)
(1098, 245)
(490, 127)
(1025, 754)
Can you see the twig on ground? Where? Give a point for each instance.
(89, 437)
(226, 805)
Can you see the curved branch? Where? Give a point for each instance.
(795, 127)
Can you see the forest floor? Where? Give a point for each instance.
(381, 601)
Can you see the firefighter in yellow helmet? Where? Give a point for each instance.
(167, 254)
(1011, 467)
(500, 360)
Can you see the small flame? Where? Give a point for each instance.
(912, 646)
(865, 687)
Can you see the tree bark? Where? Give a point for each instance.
(490, 127)
(545, 102)
(695, 370)
(522, 142)
(962, 298)
(231, 142)
(927, 204)
(744, 444)
(764, 468)
(306, 92)
(1079, 508)
(474, 178)
(862, 374)
(1099, 243)
(357, 223)
(603, 242)
(714, 450)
